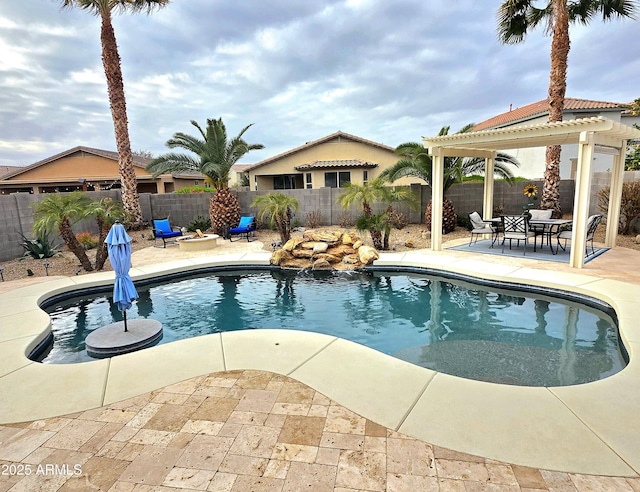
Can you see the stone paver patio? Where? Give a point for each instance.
(250, 430)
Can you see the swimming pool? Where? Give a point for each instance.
(444, 324)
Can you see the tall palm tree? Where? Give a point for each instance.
(416, 162)
(279, 208)
(214, 156)
(59, 211)
(115, 88)
(516, 18)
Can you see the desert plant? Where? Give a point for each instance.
(40, 247)
(376, 225)
(629, 204)
(60, 211)
(87, 240)
(106, 212)
(345, 220)
(313, 219)
(200, 222)
(398, 220)
(215, 154)
(280, 209)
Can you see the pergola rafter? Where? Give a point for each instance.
(593, 135)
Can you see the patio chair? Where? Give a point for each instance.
(480, 227)
(566, 233)
(516, 227)
(162, 230)
(540, 229)
(246, 228)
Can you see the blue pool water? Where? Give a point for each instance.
(451, 326)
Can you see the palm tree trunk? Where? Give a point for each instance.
(101, 253)
(117, 102)
(557, 88)
(74, 245)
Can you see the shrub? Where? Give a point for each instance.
(345, 220)
(629, 204)
(398, 220)
(40, 247)
(313, 220)
(200, 222)
(87, 240)
(196, 189)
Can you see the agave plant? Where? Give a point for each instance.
(40, 247)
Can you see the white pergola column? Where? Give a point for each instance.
(437, 195)
(487, 205)
(581, 199)
(615, 196)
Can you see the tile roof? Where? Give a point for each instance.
(336, 164)
(540, 108)
(313, 143)
(138, 160)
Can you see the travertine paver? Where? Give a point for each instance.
(228, 432)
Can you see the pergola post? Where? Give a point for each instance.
(487, 205)
(615, 196)
(581, 199)
(437, 195)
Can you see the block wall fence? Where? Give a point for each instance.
(16, 213)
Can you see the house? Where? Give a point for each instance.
(88, 169)
(532, 160)
(331, 161)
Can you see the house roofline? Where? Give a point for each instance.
(138, 161)
(318, 142)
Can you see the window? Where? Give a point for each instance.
(308, 182)
(365, 177)
(284, 182)
(337, 180)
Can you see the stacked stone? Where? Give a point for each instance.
(322, 250)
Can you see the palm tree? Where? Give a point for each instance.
(215, 155)
(106, 211)
(279, 208)
(415, 161)
(515, 19)
(115, 88)
(364, 196)
(59, 211)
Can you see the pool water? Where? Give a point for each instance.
(446, 325)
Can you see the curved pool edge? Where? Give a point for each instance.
(589, 428)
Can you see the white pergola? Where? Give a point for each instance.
(593, 135)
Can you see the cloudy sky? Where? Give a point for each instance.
(388, 71)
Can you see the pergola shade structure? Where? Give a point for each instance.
(593, 135)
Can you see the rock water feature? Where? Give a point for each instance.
(323, 250)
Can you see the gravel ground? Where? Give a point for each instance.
(411, 237)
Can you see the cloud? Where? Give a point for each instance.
(385, 71)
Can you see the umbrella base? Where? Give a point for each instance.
(111, 340)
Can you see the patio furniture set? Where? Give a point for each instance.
(163, 230)
(537, 223)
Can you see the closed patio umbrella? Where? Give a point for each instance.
(119, 248)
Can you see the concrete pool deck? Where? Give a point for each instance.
(586, 429)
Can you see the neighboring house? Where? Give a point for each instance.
(331, 161)
(532, 160)
(88, 169)
(235, 176)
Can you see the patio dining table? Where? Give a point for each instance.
(551, 227)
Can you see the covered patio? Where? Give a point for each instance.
(593, 135)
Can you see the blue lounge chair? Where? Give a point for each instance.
(246, 227)
(162, 230)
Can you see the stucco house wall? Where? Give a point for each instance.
(339, 152)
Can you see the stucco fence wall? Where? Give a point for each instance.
(16, 213)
